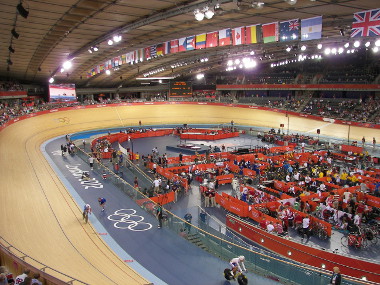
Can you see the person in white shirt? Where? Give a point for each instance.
(270, 227)
(357, 220)
(156, 184)
(235, 262)
(19, 279)
(305, 226)
(322, 187)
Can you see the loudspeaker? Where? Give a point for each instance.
(14, 33)
(23, 12)
(318, 131)
(281, 125)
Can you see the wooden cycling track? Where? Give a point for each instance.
(38, 215)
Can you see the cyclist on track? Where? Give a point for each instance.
(86, 210)
(235, 262)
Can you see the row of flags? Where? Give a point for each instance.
(366, 23)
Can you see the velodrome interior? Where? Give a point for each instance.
(42, 219)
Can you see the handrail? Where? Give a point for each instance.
(42, 271)
(231, 245)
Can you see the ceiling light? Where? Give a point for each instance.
(340, 50)
(108, 72)
(209, 13)
(319, 46)
(51, 80)
(303, 48)
(90, 50)
(110, 42)
(377, 43)
(258, 5)
(327, 51)
(333, 50)
(199, 16)
(67, 64)
(117, 38)
(346, 45)
(375, 49)
(14, 33)
(367, 44)
(200, 76)
(357, 44)
(291, 2)
(252, 53)
(22, 11)
(288, 49)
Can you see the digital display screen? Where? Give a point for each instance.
(62, 93)
(181, 89)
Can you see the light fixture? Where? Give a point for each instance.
(200, 76)
(117, 38)
(110, 42)
(375, 49)
(291, 2)
(95, 48)
(340, 50)
(108, 72)
(11, 49)
(303, 48)
(90, 50)
(51, 80)
(377, 43)
(367, 44)
(288, 49)
(323, 266)
(258, 5)
(319, 46)
(22, 11)
(199, 16)
(252, 53)
(357, 44)
(15, 34)
(333, 50)
(327, 51)
(346, 45)
(209, 13)
(67, 65)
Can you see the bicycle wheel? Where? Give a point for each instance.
(86, 218)
(344, 241)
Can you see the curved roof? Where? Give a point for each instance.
(55, 31)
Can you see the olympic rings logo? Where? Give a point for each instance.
(126, 219)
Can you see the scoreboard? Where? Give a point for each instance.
(180, 89)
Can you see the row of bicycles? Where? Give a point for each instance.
(365, 236)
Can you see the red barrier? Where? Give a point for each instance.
(281, 149)
(372, 201)
(224, 179)
(351, 148)
(305, 254)
(164, 198)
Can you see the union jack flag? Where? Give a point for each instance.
(366, 24)
(294, 25)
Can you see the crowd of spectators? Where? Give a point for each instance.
(352, 110)
(10, 86)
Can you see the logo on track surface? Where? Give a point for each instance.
(127, 219)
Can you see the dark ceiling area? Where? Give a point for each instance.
(38, 36)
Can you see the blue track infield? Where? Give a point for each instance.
(159, 255)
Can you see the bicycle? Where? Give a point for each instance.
(357, 240)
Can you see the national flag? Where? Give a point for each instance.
(147, 53)
(130, 57)
(225, 37)
(101, 67)
(270, 32)
(311, 28)
(153, 51)
(366, 24)
(200, 41)
(139, 55)
(174, 46)
(160, 49)
(212, 39)
(251, 33)
(289, 30)
(238, 36)
(190, 43)
(97, 69)
(167, 47)
(123, 59)
(182, 44)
